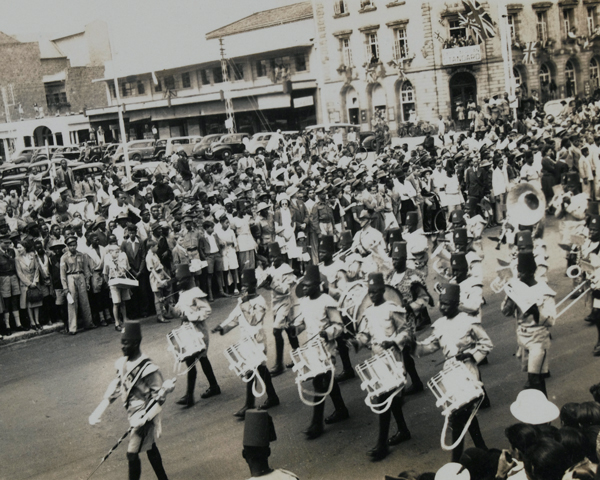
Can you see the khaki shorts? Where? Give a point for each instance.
(215, 262)
(9, 286)
(119, 295)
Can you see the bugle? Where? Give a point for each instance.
(574, 271)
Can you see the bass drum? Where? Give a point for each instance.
(391, 295)
(351, 299)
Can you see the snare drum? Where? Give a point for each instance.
(454, 387)
(311, 360)
(381, 374)
(245, 356)
(185, 341)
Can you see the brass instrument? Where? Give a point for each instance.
(525, 204)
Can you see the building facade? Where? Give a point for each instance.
(272, 82)
(45, 91)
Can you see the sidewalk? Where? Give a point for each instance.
(17, 337)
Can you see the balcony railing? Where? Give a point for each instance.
(460, 55)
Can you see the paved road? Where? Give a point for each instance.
(50, 385)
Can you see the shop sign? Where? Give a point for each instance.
(459, 55)
(304, 102)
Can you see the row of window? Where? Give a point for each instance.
(56, 98)
(235, 72)
(340, 7)
(569, 24)
(400, 47)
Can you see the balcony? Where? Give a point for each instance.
(461, 55)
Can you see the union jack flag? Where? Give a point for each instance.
(477, 20)
(529, 52)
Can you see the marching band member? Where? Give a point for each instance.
(280, 279)
(462, 337)
(475, 225)
(524, 242)
(590, 251)
(413, 289)
(471, 288)
(337, 283)
(570, 207)
(249, 314)
(138, 382)
(384, 326)
(314, 305)
(532, 303)
(195, 309)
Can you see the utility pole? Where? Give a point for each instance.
(6, 105)
(506, 41)
(230, 120)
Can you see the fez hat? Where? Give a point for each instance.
(259, 430)
(459, 236)
(457, 216)
(450, 292)
(183, 271)
(458, 261)
(274, 249)
(326, 244)
(132, 331)
(376, 281)
(248, 277)
(526, 262)
(394, 235)
(399, 250)
(524, 239)
(345, 239)
(412, 218)
(312, 275)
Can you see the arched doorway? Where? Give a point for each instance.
(463, 88)
(379, 103)
(520, 74)
(41, 134)
(547, 83)
(352, 106)
(594, 73)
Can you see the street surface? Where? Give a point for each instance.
(50, 385)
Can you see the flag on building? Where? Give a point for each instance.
(478, 20)
(530, 52)
(154, 79)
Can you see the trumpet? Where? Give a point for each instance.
(574, 271)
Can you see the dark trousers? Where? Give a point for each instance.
(458, 420)
(320, 384)
(386, 417)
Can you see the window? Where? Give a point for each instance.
(542, 29)
(568, 20)
(169, 82)
(238, 71)
(545, 76)
(111, 88)
(372, 47)
(217, 74)
(366, 4)
(300, 62)
(591, 20)
(456, 30)
(400, 43)
(512, 27)
(128, 89)
(158, 86)
(261, 68)
(141, 89)
(346, 51)
(340, 7)
(204, 79)
(518, 78)
(407, 100)
(571, 85)
(185, 80)
(594, 73)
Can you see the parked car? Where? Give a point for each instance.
(96, 169)
(263, 142)
(159, 149)
(187, 143)
(203, 150)
(24, 155)
(136, 150)
(72, 152)
(229, 145)
(14, 174)
(367, 140)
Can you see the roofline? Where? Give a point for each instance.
(53, 39)
(210, 36)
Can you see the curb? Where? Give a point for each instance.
(17, 337)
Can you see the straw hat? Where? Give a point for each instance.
(532, 407)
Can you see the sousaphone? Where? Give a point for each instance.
(525, 204)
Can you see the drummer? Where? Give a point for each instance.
(384, 326)
(413, 289)
(471, 287)
(460, 337)
(337, 284)
(249, 314)
(280, 279)
(195, 309)
(315, 306)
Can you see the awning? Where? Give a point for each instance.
(105, 117)
(138, 116)
(57, 77)
(179, 111)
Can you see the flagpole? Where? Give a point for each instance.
(505, 39)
